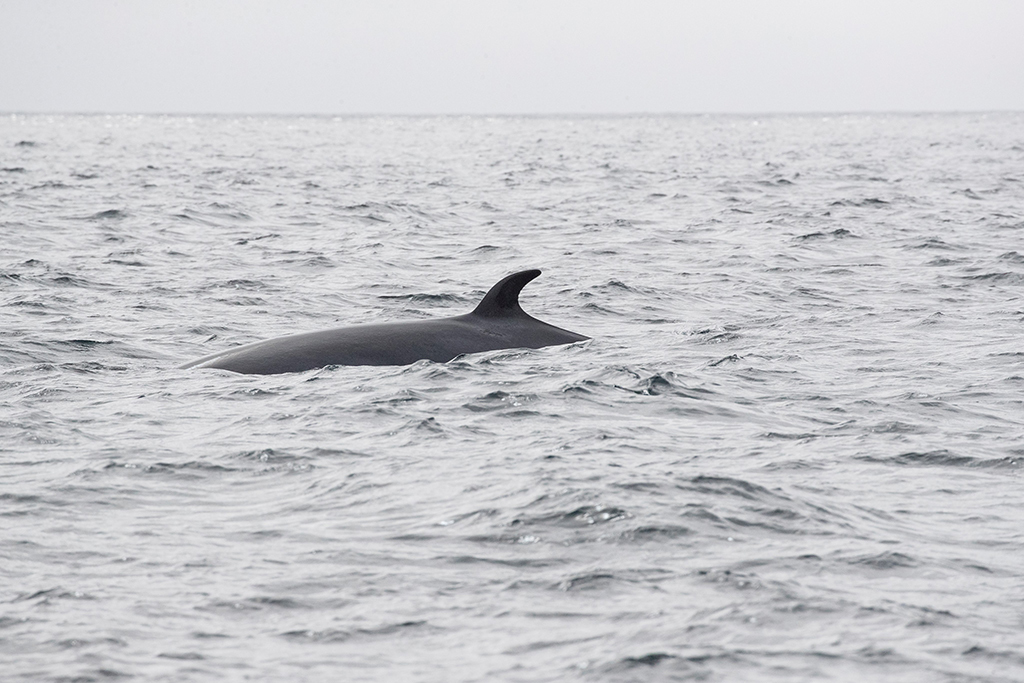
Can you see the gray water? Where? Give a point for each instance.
(792, 450)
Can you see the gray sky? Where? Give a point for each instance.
(522, 56)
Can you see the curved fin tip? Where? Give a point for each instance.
(503, 297)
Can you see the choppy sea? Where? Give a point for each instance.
(792, 451)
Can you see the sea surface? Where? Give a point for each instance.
(792, 451)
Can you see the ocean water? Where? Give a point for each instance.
(792, 450)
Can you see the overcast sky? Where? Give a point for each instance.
(522, 56)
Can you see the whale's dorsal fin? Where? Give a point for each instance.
(503, 298)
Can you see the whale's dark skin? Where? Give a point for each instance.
(498, 322)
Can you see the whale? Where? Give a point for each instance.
(498, 322)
